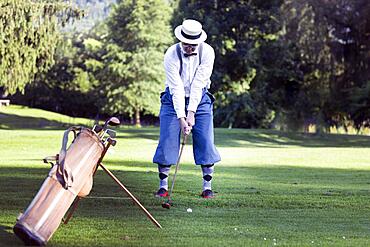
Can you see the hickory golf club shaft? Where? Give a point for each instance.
(177, 167)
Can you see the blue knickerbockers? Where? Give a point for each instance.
(168, 148)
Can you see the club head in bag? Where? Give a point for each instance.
(97, 129)
(113, 121)
(111, 133)
(111, 141)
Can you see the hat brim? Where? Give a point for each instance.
(199, 40)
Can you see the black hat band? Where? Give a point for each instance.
(190, 36)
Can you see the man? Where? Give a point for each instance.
(186, 105)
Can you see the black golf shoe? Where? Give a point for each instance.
(162, 192)
(207, 194)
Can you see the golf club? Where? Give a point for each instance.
(111, 134)
(111, 141)
(97, 128)
(113, 121)
(168, 203)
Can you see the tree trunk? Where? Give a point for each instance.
(137, 118)
(320, 123)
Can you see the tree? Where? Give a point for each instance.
(330, 38)
(139, 34)
(28, 38)
(306, 32)
(67, 87)
(350, 28)
(238, 31)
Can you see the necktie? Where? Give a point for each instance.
(188, 55)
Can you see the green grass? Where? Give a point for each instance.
(288, 188)
(21, 117)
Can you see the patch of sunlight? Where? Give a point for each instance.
(242, 142)
(342, 158)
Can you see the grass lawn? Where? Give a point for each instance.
(272, 188)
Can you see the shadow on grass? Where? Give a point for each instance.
(274, 138)
(265, 174)
(20, 185)
(149, 133)
(223, 137)
(259, 138)
(240, 189)
(7, 238)
(15, 122)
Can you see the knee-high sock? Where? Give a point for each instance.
(163, 172)
(207, 176)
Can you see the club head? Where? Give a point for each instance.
(111, 141)
(111, 133)
(97, 128)
(113, 121)
(166, 205)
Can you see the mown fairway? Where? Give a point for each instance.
(273, 188)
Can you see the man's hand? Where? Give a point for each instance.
(185, 128)
(190, 119)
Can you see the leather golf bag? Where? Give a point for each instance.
(71, 176)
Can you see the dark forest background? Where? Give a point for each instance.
(284, 64)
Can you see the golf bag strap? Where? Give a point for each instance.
(178, 51)
(50, 159)
(63, 168)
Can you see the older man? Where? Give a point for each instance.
(187, 106)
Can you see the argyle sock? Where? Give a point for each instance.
(207, 176)
(163, 172)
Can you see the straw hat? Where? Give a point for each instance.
(190, 32)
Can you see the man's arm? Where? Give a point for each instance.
(175, 84)
(201, 78)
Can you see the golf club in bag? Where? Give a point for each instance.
(168, 203)
(69, 179)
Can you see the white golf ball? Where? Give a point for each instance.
(189, 210)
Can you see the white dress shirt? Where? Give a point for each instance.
(193, 79)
